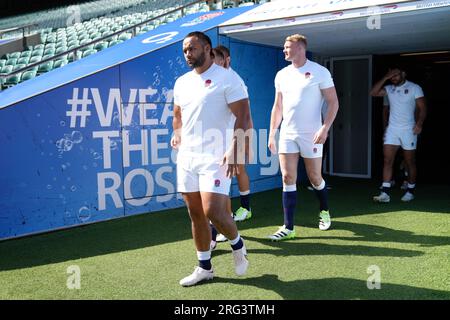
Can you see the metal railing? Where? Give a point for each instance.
(132, 28)
(23, 28)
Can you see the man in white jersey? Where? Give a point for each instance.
(244, 212)
(406, 114)
(210, 107)
(300, 91)
(222, 58)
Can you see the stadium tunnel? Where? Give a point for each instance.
(357, 41)
(89, 142)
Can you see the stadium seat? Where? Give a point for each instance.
(45, 67)
(25, 54)
(83, 37)
(95, 36)
(89, 52)
(12, 80)
(34, 59)
(74, 43)
(84, 41)
(125, 36)
(37, 53)
(51, 38)
(86, 48)
(49, 51)
(27, 75)
(6, 69)
(60, 50)
(72, 57)
(106, 33)
(71, 38)
(101, 46)
(114, 42)
(14, 55)
(19, 66)
(23, 60)
(39, 47)
(60, 63)
(2, 63)
(11, 62)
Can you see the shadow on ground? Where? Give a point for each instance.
(335, 288)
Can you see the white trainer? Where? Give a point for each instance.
(382, 197)
(324, 220)
(408, 197)
(221, 238)
(242, 214)
(404, 185)
(198, 275)
(240, 261)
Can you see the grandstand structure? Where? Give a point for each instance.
(73, 32)
(97, 126)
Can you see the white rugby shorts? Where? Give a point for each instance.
(300, 143)
(194, 174)
(401, 137)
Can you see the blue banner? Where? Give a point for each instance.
(90, 141)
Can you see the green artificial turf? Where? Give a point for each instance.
(144, 257)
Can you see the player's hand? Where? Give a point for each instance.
(230, 160)
(392, 73)
(321, 136)
(272, 144)
(417, 129)
(175, 141)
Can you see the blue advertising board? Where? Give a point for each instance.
(89, 142)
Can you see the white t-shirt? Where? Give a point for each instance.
(207, 121)
(402, 104)
(240, 79)
(302, 98)
(245, 86)
(386, 101)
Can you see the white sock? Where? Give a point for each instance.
(244, 193)
(320, 186)
(289, 188)
(204, 255)
(234, 241)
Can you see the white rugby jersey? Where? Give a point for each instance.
(402, 104)
(302, 98)
(207, 121)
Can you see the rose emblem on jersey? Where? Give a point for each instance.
(307, 75)
(217, 183)
(208, 83)
(315, 150)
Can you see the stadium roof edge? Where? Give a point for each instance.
(282, 9)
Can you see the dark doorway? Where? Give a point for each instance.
(432, 72)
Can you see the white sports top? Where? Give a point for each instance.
(402, 104)
(302, 98)
(207, 121)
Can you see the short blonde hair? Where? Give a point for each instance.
(298, 38)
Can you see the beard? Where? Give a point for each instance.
(397, 82)
(197, 62)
